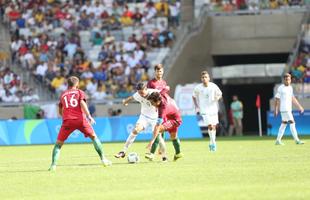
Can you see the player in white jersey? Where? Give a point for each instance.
(205, 97)
(283, 102)
(148, 117)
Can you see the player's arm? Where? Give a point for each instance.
(60, 109)
(218, 94)
(127, 100)
(296, 102)
(158, 128)
(196, 105)
(195, 101)
(276, 106)
(86, 111)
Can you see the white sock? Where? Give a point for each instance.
(294, 132)
(281, 131)
(131, 138)
(162, 146)
(211, 135)
(213, 132)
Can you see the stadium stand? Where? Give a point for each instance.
(112, 42)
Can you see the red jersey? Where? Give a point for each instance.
(158, 84)
(70, 104)
(168, 109)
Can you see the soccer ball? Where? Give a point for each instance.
(133, 157)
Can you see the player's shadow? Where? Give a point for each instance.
(23, 171)
(114, 163)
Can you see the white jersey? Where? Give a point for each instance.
(147, 110)
(207, 98)
(285, 94)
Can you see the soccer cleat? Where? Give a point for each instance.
(164, 159)
(299, 142)
(280, 143)
(149, 156)
(120, 154)
(52, 168)
(212, 147)
(177, 156)
(106, 162)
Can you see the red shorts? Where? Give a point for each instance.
(171, 125)
(70, 125)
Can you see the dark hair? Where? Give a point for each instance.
(154, 97)
(158, 66)
(204, 73)
(140, 86)
(287, 75)
(72, 81)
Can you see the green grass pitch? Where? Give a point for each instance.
(242, 168)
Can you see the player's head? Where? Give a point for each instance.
(141, 89)
(287, 79)
(154, 98)
(159, 71)
(73, 82)
(205, 78)
(235, 98)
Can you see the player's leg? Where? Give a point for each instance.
(55, 155)
(212, 137)
(88, 131)
(130, 139)
(65, 130)
(285, 118)
(281, 133)
(162, 147)
(176, 144)
(294, 132)
(212, 121)
(150, 155)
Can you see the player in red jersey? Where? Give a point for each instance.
(75, 115)
(169, 119)
(160, 84)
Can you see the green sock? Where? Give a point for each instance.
(56, 152)
(155, 144)
(98, 147)
(176, 145)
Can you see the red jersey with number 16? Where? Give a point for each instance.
(70, 102)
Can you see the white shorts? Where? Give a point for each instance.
(210, 119)
(287, 116)
(146, 122)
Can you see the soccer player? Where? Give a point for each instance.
(160, 84)
(169, 119)
(148, 117)
(283, 102)
(205, 97)
(75, 115)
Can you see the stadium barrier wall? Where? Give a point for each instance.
(45, 131)
(302, 123)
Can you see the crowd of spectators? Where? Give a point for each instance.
(252, 5)
(300, 68)
(14, 90)
(55, 39)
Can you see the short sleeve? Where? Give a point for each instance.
(278, 93)
(82, 95)
(195, 92)
(136, 96)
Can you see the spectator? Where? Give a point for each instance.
(237, 113)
